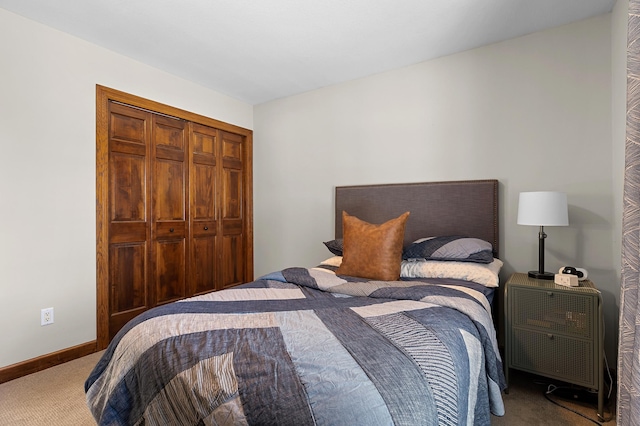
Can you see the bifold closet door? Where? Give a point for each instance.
(218, 252)
(169, 182)
(177, 215)
(203, 214)
(148, 174)
(129, 214)
(233, 218)
(173, 207)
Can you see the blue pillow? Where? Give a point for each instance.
(450, 248)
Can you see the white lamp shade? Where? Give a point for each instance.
(543, 208)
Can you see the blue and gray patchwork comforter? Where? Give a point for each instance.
(304, 347)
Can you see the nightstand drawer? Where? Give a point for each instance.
(555, 356)
(553, 311)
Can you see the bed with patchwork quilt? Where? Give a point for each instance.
(395, 329)
(307, 346)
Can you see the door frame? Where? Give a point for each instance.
(103, 96)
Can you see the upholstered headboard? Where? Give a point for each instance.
(467, 208)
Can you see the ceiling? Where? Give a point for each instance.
(260, 50)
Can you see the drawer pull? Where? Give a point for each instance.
(170, 229)
(550, 336)
(550, 293)
(206, 228)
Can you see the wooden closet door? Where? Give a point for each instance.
(148, 251)
(204, 209)
(233, 217)
(173, 206)
(129, 214)
(169, 209)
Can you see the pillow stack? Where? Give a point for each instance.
(376, 252)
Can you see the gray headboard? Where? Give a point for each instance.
(467, 208)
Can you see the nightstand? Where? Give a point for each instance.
(555, 332)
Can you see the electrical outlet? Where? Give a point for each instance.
(46, 316)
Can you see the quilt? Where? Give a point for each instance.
(304, 346)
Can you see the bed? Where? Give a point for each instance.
(314, 345)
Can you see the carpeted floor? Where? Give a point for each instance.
(52, 397)
(55, 397)
(526, 404)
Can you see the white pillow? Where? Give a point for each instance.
(485, 274)
(332, 261)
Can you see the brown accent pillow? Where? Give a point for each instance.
(372, 251)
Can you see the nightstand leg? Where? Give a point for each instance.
(601, 363)
(506, 379)
(601, 405)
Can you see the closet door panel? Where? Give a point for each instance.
(233, 264)
(129, 146)
(204, 191)
(169, 134)
(128, 198)
(232, 145)
(127, 124)
(128, 151)
(232, 176)
(232, 198)
(128, 232)
(204, 145)
(127, 274)
(170, 270)
(169, 194)
(204, 271)
(128, 293)
(169, 182)
(203, 228)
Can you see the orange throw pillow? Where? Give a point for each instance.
(372, 251)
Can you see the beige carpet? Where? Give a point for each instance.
(525, 404)
(52, 397)
(55, 397)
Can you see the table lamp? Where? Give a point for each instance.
(542, 208)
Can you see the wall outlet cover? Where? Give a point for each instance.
(46, 316)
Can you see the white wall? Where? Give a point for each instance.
(534, 112)
(47, 175)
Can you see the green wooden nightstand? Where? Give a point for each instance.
(555, 331)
